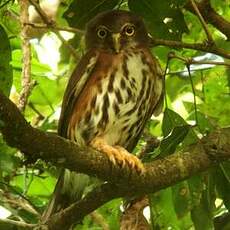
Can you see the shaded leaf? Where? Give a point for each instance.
(163, 18)
(201, 216)
(223, 183)
(170, 143)
(171, 119)
(203, 122)
(162, 210)
(181, 199)
(8, 161)
(81, 11)
(196, 187)
(6, 72)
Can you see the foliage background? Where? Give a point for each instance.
(192, 204)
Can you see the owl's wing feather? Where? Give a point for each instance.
(63, 196)
(75, 85)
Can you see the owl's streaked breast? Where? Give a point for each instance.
(120, 102)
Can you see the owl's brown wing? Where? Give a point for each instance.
(75, 85)
(70, 185)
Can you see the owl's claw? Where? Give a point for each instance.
(130, 159)
(118, 155)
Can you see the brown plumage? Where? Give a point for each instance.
(114, 90)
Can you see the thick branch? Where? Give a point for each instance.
(61, 152)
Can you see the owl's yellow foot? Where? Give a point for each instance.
(118, 155)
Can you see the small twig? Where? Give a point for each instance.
(5, 3)
(195, 46)
(42, 14)
(18, 223)
(52, 26)
(120, 4)
(31, 105)
(202, 21)
(39, 116)
(71, 49)
(26, 52)
(164, 78)
(194, 95)
(211, 16)
(19, 194)
(191, 61)
(55, 27)
(25, 206)
(188, 63)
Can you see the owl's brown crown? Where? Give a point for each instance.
(116, 30)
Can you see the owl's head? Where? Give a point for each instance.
(115, 31)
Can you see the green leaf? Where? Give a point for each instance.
(42, 185)
(81, 11)
(163, 18)
(8, 161)
(170, 143)
(196, 187)
(223, 183)
(6, 72)
(203, 122)
(163, 214)
(181, 199)
(201, 216)
(171, 120)
(37, 68)
(162, 210)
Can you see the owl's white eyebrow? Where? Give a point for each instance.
(127, 24)
(103, 27)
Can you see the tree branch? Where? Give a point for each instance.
(202, 21)
(26, 50)
(211, 16)
(195, 46)
(18, 223)
(159, 174)
(52, 25)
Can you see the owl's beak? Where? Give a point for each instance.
(116, 42)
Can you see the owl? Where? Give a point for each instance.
(113, 91)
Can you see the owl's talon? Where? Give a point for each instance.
(118, 155)
(130, 160)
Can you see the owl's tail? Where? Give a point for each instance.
(70, 188)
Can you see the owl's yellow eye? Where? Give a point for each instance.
(101, 33)
(129, 30)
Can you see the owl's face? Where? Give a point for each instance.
(115, 31)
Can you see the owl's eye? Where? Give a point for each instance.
(129, 30)
(101, 33)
